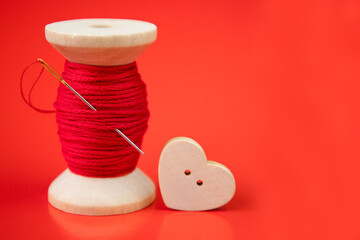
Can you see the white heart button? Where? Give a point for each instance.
(188, 181)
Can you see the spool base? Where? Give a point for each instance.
(77, 194)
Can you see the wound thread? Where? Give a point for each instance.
(90, 145)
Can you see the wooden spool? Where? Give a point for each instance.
(101, 42)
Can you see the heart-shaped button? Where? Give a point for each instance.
(188, 181)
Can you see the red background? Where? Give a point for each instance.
(268, 88)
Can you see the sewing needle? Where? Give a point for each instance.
(52, 71)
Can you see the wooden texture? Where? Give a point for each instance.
(101, 196)
(102, 42)
(188, 181)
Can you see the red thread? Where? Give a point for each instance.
(28, 101)
(90, 145)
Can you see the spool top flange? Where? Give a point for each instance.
(101, 42)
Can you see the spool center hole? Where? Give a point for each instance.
(101, 26)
